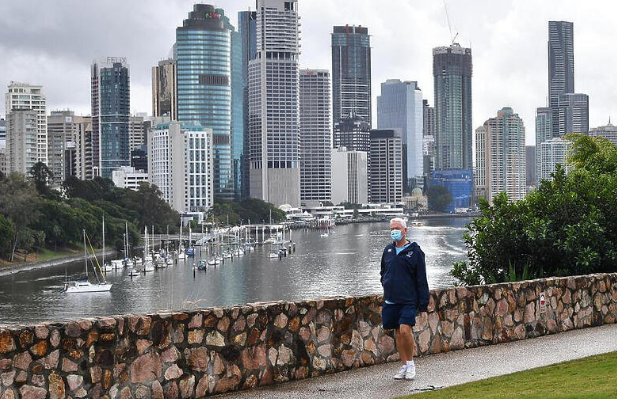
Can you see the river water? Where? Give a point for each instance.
(345, 263)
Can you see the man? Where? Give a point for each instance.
(405, 292)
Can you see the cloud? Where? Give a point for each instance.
(53, 43)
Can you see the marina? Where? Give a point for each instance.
(344, 263)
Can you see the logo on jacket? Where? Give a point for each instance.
(390, 250)
(409, 254)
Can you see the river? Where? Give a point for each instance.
(345, 263)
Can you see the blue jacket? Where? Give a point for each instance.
(403, 276)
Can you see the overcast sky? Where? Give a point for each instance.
(53, 43)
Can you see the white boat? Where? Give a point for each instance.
(133, 273)
(128, 262)
(213, 261)
(148, 264)
(416, 223)
(169, 261)
(84, 285)
(324, 235)
(117, 264)
(108, 268)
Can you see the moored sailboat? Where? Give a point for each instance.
(84, 285)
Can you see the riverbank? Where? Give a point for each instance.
(26, 266)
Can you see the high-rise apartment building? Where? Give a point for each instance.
(111, 105)
(164, 92)
(82, 137)
(274, 131)
(544, 132)
(386, 166)
(25, 96)
(553, 152)
(400, 107)
(560, 66)
(452, 70)
(2, 133)
(203, 57)
(573, 113)
(351, 73)
(353, 133)
(137, 132)
(180, 163)
(22, 134)
(60, 132)
(315, 136)
(500, 156)
(350, 180)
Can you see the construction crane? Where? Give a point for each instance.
(449, 23)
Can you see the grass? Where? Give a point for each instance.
(589, 378)
(42, 254)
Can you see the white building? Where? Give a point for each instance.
(27, 96)
(128, 177)
(500, 156)
(350, 177)
(400, 107)
(274, 131)
(609, 132)
(180, 164)
(552, 153)
(315, 136)
(386, 167)
(137, 132)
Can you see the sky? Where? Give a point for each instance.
(53, 43)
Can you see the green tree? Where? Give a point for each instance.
(439, 198)
(567, 226)
(19, 202)
(42, 176)
(7, 233)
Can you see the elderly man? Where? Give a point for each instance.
(405, 292)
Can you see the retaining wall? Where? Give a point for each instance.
(199, 353)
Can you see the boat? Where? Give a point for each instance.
(213, 261)
(133, 273)
(84, 285)
(117, 264)
(148, 264)
(201, 265)
(416, 223)
(190, 252)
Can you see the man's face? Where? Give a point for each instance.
(396, 225)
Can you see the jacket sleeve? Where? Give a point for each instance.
(422, 283)
(383, 267)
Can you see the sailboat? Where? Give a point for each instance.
(84, 285)
(106, 267)
(148, 263)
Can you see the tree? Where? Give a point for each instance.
(7, 232)
(19, 202)
(41, 176)
(567, 226)
(439, 198)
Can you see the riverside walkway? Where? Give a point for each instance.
(447, 369)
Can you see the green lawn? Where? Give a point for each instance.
(589, 378)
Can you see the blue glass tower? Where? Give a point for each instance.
(111, 107)
(203, 56)
(247, 29)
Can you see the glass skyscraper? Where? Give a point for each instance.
(351, 73)
(247, 28)
(452, 69)
(203, 59)
(400, 107)
(560, 66)
(111, 107)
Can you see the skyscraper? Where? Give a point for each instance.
(315, 136)
(573, 113)
(500, 156)
(25, 96)
(111, 105)
(553, 152)
(400, 107)
(137, 132)
(560, 66)
(247, 28)
(21, 140)
(353, 133)
(609, 132)
(237, 104)
(544, 132)
(350, 180)
(164, 98)
(428, 145)
(351, 73)
(386, 166)
(273, 105)
(452, 70)
(203, 48)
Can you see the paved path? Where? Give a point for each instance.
(442, 370)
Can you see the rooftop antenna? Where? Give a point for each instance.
(449, 23)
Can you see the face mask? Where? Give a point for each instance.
(396, 235)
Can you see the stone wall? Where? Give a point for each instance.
(200, 353)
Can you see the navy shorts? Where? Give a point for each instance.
(395, 314)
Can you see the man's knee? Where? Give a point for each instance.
(405, 329)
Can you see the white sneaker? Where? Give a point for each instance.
(401, 375)
(410, 374)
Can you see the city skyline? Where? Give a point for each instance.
(508, 40)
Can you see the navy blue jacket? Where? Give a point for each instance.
(403, 276)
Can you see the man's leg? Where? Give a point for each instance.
(405, 343)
